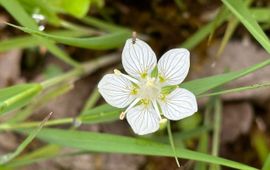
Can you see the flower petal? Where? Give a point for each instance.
(143, 119)
(116, 90)
(179, 104)
(173, 66)
(138, 59)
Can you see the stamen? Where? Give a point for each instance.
(154, 102)
(123, 114)
(118, 72)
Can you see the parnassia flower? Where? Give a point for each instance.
(144, 92)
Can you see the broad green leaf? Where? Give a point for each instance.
(78, 8)
(18, 12)
(17, 96)
(266, 165)
(97, 142)
(239, 9)
(8, 157)
(107, 41)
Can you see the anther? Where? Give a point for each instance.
(117, 72)
(122, 116)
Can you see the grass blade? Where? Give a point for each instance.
(17, 96)
(204, 31)
(30, 41)
(239, 9)
(266, 165)
(91, 141)
(107, 41)
(238, 89)
(202, 85)
(8, 157)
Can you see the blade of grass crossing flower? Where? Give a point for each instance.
(266, 165)
(172, 142)
(8, 157)
(91, 141)
(239, 9)
(18, 12)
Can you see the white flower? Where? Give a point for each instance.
(143, 92)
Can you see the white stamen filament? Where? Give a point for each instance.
(117, 72)
(154, 102)
(123, 114)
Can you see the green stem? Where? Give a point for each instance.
(172, 142)
(73, 73)
(216, 132)
(239, 89)
(92, 100)
(36, 124)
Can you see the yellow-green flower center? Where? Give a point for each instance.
(149, 89)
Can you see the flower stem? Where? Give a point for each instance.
(172, 142)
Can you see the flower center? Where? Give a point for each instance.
(149, 88)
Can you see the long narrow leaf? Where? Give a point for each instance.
(200, 86)
(17, 96)
(108, 41)
(8, 157)
(239, 9)
(97, 142)
(30, 41)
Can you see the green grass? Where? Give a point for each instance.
(96, 34)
